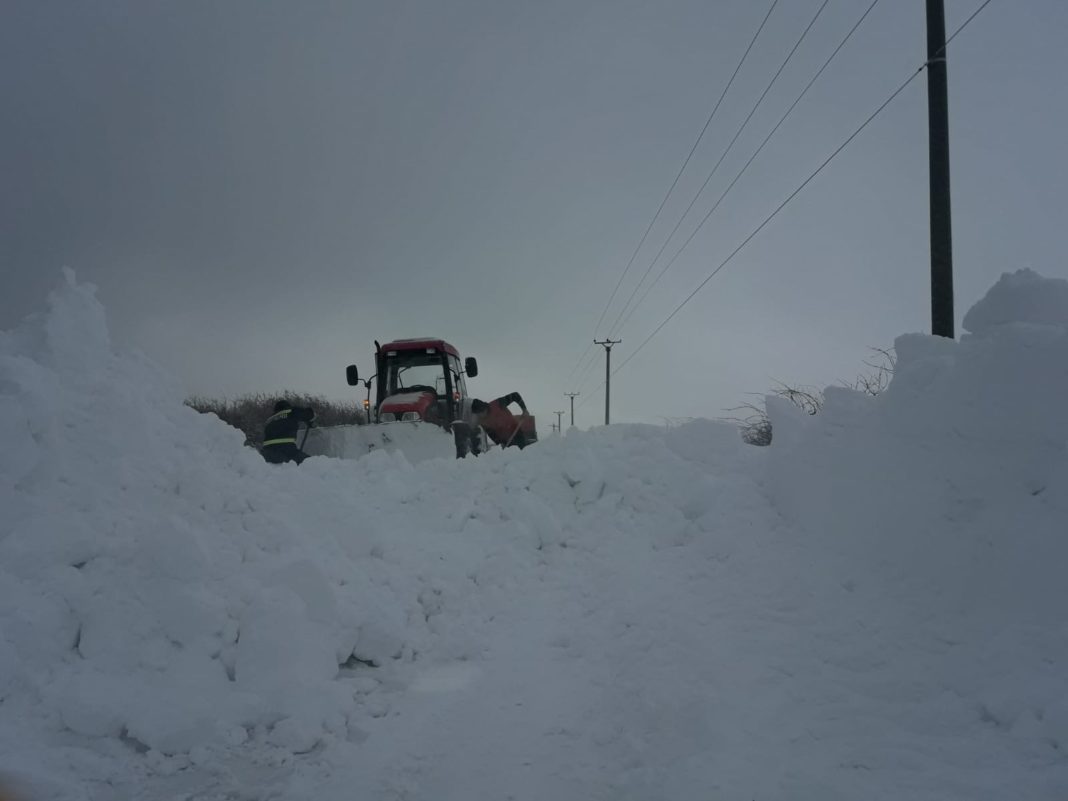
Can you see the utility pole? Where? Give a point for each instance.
(572, 395)
(559, 426)
(938, 135)
(607, 344)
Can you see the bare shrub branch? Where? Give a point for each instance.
(883, 363)
(753, 420)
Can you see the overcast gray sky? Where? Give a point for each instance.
(261, 189)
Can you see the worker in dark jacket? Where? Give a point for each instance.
(280, 433)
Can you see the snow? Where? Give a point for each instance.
(405, 398)
(418, 441)
(873, 607)
(1023, 297)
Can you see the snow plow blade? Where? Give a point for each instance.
(418, 441)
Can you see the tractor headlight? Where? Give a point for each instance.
(411, 417)
(387, 417)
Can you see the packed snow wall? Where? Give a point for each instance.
(417, 441)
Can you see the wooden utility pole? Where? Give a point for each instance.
(607, 344)
(572, 395)
(559, 425)
(938, 134)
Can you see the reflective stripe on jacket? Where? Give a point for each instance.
(281, 428)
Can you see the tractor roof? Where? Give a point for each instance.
(421, 344)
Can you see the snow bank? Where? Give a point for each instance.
(170, 603)
(966, 431)
(159, 584)
(1023, 297)
(871, 608)
(953, 486)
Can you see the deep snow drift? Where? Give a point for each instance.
(873, 607)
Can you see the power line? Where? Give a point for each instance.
(576, 365)
(752, 158)
(582, 377)
(685, 163)
(589, 373)
(723, 156)
(796, 192)
(771, 216)
(964, 25)
(678, 176)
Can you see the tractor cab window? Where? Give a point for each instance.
(458, 383)
(414, 371)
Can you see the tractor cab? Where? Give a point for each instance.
(418, 380)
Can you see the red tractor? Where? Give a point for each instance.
(422, 381)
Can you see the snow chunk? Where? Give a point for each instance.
(1020, 297)
(281, 644)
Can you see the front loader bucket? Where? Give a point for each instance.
(417, 441)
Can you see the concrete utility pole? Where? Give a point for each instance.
(607, 344)
(572, 395)
(559, 425)
(938, 135)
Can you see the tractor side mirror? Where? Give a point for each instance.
(352, 375)
(470, 367)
